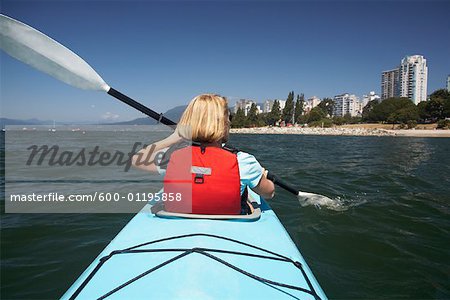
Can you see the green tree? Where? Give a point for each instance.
(438, 107)
(404, 115)
(316, 114)
(252, 116)
(288, 110)
(338, 120)
(355, 120)
(387, 109)
(347, 118)
(442, 94)
(327, 106)
(435, 108)
(302, 119)
(262, 119)
(447, 108)
(391, 110)
(423, 111)
(367, 113)
(395, 110)
(445, 96)
(238, 119)
(299, 108)
(443, 124)
(275, 114)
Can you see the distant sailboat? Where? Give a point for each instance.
(53, 129)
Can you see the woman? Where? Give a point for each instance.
(210, 178)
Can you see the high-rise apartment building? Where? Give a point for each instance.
(267, 107)
(268, 104)
(413, 75)
(311, 103)
(245, 105)
(390, 86)
(408, 80)
(346, 104)
(282, 103)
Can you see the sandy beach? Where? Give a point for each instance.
(349, 130)
(421, 132)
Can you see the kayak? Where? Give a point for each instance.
(161, 255)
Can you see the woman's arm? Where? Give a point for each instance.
(265, 187)
(144, 159)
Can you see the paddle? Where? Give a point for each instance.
(304, 197)
(47, 55)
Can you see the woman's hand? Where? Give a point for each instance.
(265, 172)
(149, 153)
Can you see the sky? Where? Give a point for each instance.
(163, 53)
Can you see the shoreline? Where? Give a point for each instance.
(344, 131)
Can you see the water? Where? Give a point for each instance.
(387, 238)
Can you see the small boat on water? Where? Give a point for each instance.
(53, 129)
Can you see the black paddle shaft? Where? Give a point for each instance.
(281, 183)
(143, 109)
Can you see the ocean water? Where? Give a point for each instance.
(384, 235)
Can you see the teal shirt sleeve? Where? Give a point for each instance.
(250, 170)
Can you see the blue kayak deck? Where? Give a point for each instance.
(196, 275)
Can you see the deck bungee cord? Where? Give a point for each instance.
(201, 251)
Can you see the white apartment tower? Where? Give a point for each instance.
(413, 74)
(245, 105)
(268, 104)
(311, 103)
(346, 104)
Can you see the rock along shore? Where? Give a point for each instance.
(315, 131)
(344, 131)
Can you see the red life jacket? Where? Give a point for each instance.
(205, 180)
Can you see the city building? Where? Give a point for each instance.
(244, 104)
(390, 85)
(448, 83)
(311, 103)
(258, 109)
(366, 99)
(282, 103)
(413, 76)
(346, 104)
(370, 97)
(267, 106)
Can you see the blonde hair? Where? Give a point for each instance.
(205, 119)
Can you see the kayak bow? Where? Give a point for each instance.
(172, 258)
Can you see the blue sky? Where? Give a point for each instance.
(164, 53)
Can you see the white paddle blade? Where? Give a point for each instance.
(319, 201)
(47, 55)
